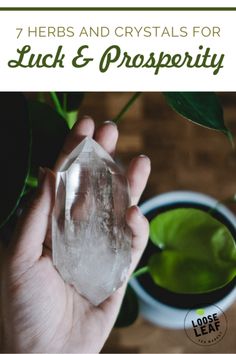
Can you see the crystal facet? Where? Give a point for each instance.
(91, 240)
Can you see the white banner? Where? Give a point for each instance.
(148, 50)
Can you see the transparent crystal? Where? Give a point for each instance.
(91, 241)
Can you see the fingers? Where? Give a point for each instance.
(33, 226)
(107, 136)
(80, 130)
(140, 229)
(138, 173)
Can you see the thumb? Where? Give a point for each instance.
(33, 224)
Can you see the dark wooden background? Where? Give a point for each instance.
(184, 156)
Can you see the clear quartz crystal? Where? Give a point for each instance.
(91, 240)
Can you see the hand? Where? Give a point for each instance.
(40, 312)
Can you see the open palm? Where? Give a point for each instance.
(40, 312)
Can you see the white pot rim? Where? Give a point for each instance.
(188, 197)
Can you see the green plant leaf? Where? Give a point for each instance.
(129, 309)
(49, 132)
(198, 253)
(203, 108)
(70, 101)
(15, 145)
(71, 118)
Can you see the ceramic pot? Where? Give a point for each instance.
(168, 309)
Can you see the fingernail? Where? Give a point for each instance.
(138, 210)
(110, 122)
(87, 117)
(145, 157)
(41, 176)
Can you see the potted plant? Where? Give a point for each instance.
(41, 123)
(190, 260)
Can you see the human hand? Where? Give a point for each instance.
(40, 312)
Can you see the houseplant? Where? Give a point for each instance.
(191, 259)
(40, 126)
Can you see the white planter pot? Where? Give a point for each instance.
(154, 310)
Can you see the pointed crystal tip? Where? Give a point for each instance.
(88, 145)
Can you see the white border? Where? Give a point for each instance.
(120, 3)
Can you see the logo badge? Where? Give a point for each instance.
(205, 326)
